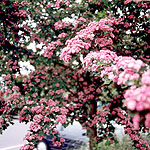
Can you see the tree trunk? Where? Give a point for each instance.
(92, 132)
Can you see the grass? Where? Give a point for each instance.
(125, 144)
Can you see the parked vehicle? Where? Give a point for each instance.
(74, 137)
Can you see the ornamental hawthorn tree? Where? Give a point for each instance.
(84, 53)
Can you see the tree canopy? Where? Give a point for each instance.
(80, 54)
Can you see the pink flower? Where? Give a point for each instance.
(57, 84)
(35, 94)
(127, 1)
(64, 111)
(146, 78)
(7, 77)
(65, 57)
(51, 103)
(40, 137)
(136, 120)
(129, 63)
(104, 55)
(137, 1)
(38, 118)
(138, 98)
(57, 143)
(82, 19)
(84, 38)
(58, 25)
(49, 5)
(21, 13)
(131, 104)
(43, 100)
(62, 35)
(112, 76)
(147, 120)
(62, 140)
(35, 126)
(15, 88)
(126, 75)
(103, 42)
(46, 119)
(61, 118)
(55, 109)
(46, 130)
(1, 120)
(58, 2)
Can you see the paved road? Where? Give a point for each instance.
(12, 138)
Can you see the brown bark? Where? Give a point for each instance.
(92, 132)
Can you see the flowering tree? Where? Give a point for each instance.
(84, 53)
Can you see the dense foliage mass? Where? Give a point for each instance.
(59, 59)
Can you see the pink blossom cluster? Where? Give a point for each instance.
(15, 98)
(61, 118)
(27, 147)
(103, 41)
(146, 78)
(1, 120)
(7, 91)
(120, 70)
(63, 111)
(37, 109)
(82, 19)
(58, 143)
(15, 88)
(58, 2)
(137, 1)
(99, 118)
(41, 116)
(46, 119)
(129, 63)
(77, 21)
(129, 129)
(58, 25)
(88, 32)
(138, 98)
(62, 35)
(127, 75)
(144, 5)
(25, 3)
(129, 1)
(29, 136)
(61, 24)
(74, 46)
(136, 120)
(38, 118)
(84, 37)
(52, 103)
(49, 5)
(130, 68)
(48, 52)
(147, 120)
(8, 76)
(104, 56)
(34, 126)
(21, 13)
